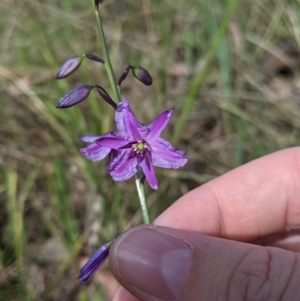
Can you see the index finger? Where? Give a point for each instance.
(257, 199)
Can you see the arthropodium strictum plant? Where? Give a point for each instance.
(133, 148)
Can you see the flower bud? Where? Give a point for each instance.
(95, 262)
(69, 67)
(97, 2)
(75, 96)
(142, 75)
(94, 58)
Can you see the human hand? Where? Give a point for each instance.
(235, 238)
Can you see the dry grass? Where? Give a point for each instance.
(230, 71)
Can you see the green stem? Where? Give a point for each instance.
(143, 202)
(117, 94)
(107, 64)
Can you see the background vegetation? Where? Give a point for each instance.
(229, 68)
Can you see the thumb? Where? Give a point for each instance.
(158, 263)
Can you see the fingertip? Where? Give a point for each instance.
(150, 263)
(123, 295)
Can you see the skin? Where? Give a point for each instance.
(255, 209)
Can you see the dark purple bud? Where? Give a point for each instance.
(106, 96)
(95, 262)
(94, 58)
(75, 96)
(69, 67)
(97, 2)
(142, 75)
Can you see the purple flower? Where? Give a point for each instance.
(95, 262)
(94, 152)
(136, 146)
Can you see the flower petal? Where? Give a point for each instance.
(95, 152)
(158, 125)
(124, 166)
(127, 124)
(165, 157)
(148, 170)
(94, 263)
(89, 138)
(93, 138)
(169, 146)
(112, 142)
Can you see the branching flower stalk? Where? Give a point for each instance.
(107, 64)
(133, 149)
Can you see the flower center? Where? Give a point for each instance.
(139, 146)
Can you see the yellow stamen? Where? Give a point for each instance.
(139, 146)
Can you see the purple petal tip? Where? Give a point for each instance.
(95, 262)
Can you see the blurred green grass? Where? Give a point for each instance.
(229, 68)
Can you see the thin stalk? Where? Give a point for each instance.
(107, 63)
(117, 94)
(143, 202)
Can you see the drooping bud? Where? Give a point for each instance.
(95, 262)
(142, 75)
(124, 75)
(75, 96)
(69, 67)
(101, 91)
(94, 58)
(97, 2)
